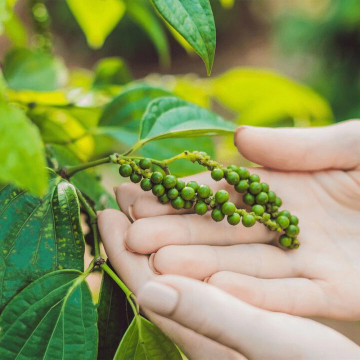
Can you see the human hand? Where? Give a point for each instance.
(207, 323)
(316, 172)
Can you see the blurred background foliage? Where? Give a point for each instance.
(278, 63)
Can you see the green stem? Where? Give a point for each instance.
(135, 147)
(129, 295)
(93, 221)
(69, 171)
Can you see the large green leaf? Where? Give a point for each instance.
(194, 21)
(113, 318)
(22, 158)
(29, 70)
(143, 340)
(52, 318)
(97, 18)
(262, 97)
(38, 235)
(171, 117)
(84, 180)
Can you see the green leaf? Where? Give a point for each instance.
(113, 319)
(85, 181)
(142, 14)
(97, 18)
(171, 117)
(38, 235)
(194, 21)
(262, 97)
(143, 340)
(22, 161)
(52, 318)
(29, 70)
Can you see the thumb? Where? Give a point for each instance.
(255, 333)
(304, 149)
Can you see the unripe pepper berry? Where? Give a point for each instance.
(221, 196)
(243, 173)
(285, 240)
(164, 199)
(272, 196)
(255, 188)
(172, 194)
(193, 184)
(292, 231)
(203, 191)
(232, 177)
(158, 190)
(258, 210)
(200, 208)
(254, 178)
(169, 181)
(180, 184)
(261, 198)
(228, 208)
(242, 186)
(125, 170)
(217, 215)
(135, 178)
(278, 202)
(248, 220)
(156, 177)
(232, 167)
(294, 220)
(249, 199)
(145, 163)
(188, 204)
(187, 193)
(217, 174)
(285, 213)
(178, 203)
(146, 184)
(283, 221)
(234, 219)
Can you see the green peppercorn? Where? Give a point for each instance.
(145, 163)
(248, 220)
(164, 198)
(295, 244)
(242, 186)
(232, 177)
(255, 188)
(217, 215)
(173, 193)
(254, 178)
(243, 173)
(200, 208)
(180, 184)
(228, 208)
(232, 167)
(187, 193)
(217, 174)
(283, 221)
(285, 213)
(193, 184)
(203, 191)
(261, 198)
(135, 178)
(146, 184)
(234, 219)
(294, 220)
(258, 210)
(188, 204)
(285, 240)
(156, 177)
(292, 231)
(221, 196)
(158, 190)
(249, 199)
(125, 170)
(178, 203)
(272, 196)
(265, 187)
(278, 202)
(169, 181)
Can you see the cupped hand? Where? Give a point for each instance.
(316, 172)
(207, 323)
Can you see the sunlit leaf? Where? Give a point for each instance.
(262, 97)
(52, 98)
(52, 318)
(194, 21)
(97, 18)
(22, 159)
(143, 340)
(38, 235)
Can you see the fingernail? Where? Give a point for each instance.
(131, 212)
(151, 264)
(157, 297)
(237, 132)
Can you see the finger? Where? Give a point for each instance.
(147, 235)
(295, 296)
(302, 148)
(202, 261)
(256, 333)
(132, 199)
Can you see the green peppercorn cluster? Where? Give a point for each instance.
(168, 188)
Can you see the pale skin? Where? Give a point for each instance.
(317, 174)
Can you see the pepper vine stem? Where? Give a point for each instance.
(68, 171)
